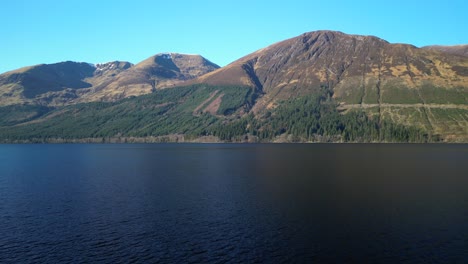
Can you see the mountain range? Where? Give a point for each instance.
(398, 92)
(72, 82)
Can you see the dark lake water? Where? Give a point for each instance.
(234, 203)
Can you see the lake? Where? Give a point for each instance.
(199, 203)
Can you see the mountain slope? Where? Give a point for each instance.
(161, 70)
(26, 84)
(390, 81)
(71, 82)
(200, 113)
(321, 86)
(461, 50)
(339, 61)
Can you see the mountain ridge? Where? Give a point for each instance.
(78, 82)
(319, 86)
(319, 42)
(358, 71)
(461, 50)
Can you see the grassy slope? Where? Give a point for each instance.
(171, 111)
(168, 111)
(441, 111)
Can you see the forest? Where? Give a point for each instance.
(311, 118)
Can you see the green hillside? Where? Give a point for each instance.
(321, 86)
(193, 112)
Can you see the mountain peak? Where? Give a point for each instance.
(70, 82)
(158, 71)
(167, 56)
(307, 52)
(113, 65)
(164, 58)
(344, 64)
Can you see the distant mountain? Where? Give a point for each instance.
(71, 82)
(461, 50)
(322, 86)
(162, 70)
(27, 84)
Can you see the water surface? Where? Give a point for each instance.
(234, 203)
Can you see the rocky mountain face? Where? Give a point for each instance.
(71, 82)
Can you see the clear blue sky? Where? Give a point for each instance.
(48, 31)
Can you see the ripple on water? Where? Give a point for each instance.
(145, 204)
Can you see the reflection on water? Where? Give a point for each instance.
(199, 203)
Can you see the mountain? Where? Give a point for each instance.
(71, 82)
(162, 70)
(322, 86)
(461, 50)
(398, 82)
(358, 69)
(26, 84)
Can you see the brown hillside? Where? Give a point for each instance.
(71, 82)
(338, 60)
(162, 70)
(398, 82)
(461, 50)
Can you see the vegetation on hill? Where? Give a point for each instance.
(386, 93)
(309, 118)
(314, 118)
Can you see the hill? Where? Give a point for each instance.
(71, 82)
(322, 86)
(159, 71)
(399, 82)
(461, 50)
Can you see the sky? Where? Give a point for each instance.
(48, 31)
